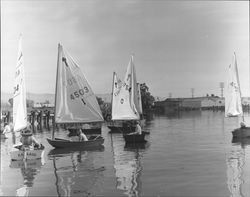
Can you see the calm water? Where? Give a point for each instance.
(187, 154)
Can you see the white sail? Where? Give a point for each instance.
(75, 101)
(134, 90)
(233, 106)
(139, 99)
(124, 99)
(19, 97)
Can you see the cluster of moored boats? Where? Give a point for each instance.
(76, 104)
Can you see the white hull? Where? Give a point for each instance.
(27, 154)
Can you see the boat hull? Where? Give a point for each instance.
(17, 155)
(241, 133)
(62, 143)
(117, 129)
(120, 127)
(134, 138)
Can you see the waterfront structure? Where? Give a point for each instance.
(196, 103)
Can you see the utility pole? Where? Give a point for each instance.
(192, 91)
(170, 95)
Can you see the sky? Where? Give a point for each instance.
(177, 45)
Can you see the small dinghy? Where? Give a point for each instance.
(241, 132)
(135, 138)
(75, 102)
(20, 112)
(126, 104)
(233, 104)
(93, 141)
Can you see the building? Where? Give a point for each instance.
(196, 103)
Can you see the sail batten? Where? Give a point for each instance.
(19, 95)
(75, 101)
(233, 105)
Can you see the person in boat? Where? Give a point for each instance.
(242, 125)
(138, 130)
(82, 136)
(7, 128)
(28, 140)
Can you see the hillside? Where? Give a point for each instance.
(41, 98)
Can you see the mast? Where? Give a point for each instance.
(57, 70)
(112, 93)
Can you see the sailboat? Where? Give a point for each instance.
(125, 103)
(233, 105)
(75, 102)
(20, 110)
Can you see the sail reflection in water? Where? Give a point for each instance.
(29, 169)
(76, 172)
(127, 164)
(237, 163)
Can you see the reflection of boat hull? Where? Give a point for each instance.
(135, 146)
(34, 163)
(241, 132)
(65, 151)
(135, 138)
(28, 154)
(73, 131)
(243, 141)
(62, 143)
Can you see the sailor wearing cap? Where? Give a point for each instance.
(27, 140)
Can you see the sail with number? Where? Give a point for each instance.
(75, 101)
(19, 96)
(124, 98)
(233, 105)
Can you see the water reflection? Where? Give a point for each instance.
(236, 163)
(29, 169)
(76, 171)
(127, 164)
(180, 114)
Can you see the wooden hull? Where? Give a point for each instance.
(73, 131)
(241, 133)
(119, 127)
(17, 155)
(62, 143)
(115, 129)
(134, 138)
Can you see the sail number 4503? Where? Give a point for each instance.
(79, 93)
